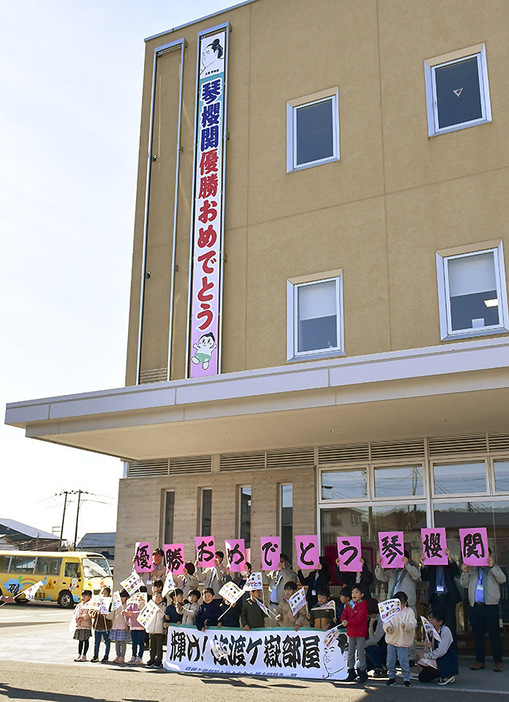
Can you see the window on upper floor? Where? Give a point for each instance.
(457, 90)
(312, 130)
(315, 316)
(472, 292)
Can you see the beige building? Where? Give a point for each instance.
(358, 376)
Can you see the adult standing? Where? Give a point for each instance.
(483, 586)
(316, 580)
(403, 580)
(351, 579)
(277, 580)
(217, 576)
(443, 593)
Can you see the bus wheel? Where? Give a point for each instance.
(65, 599)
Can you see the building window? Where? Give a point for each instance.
(459, 478)
(398, 481)
(286, 519)
(472, 293)
(501, 470)
(206, 512)
(344, 484)
(457, 91)
(312, 130)
(315, 317)
(245, 515)
(169, 514)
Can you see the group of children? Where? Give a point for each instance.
(389, 643)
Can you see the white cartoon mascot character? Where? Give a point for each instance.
(206, 344)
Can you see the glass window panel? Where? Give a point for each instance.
(473, 291)
(400, 481)
(48, 566)
(4, 563)
(22, 564)
(317, 307)
(344, 484)
(472, 274)
(458, 93)
(366, 522)
(315, 139)
(72, 570)
(286, 498)
(459, 478)
(501, 476)
(169, 514)
(245, 515)
(206, 512)
(317, 300)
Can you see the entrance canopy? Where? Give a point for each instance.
(458, 388)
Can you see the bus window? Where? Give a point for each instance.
(22, 564)
(72, 570)
(96, 567)
(4, 563)
(48, 566)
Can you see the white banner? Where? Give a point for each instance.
(307, 653)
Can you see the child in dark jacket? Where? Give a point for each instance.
(355, 618)
(252, 615)
(209, 611)
(229, 616)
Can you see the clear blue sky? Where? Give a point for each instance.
(70, 97)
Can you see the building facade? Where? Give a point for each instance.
(319, 326)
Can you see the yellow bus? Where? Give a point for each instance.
(65, 574)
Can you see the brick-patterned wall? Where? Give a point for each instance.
(141, 505)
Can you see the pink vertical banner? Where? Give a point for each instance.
(434, 543)
(307, 552)
(143, 557)
(235, 555)
(349, 554)
(174, 557)
(205, 551)
(474, 546)
(271, 552)
(392, 549)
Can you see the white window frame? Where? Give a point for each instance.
(292, 107)
(292, 326)
(444, 300)
(430, 67)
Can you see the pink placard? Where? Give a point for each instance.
(143, 557)
(392, 549)
(205, 551)
(349, 554)
(307, 552)
(434, 543)
(474, 546)
(174, 557)
(235, 555)
(271, 552)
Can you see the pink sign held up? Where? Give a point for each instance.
(474, 546)
(143, 557)
(235, 555)
(271, 552)
(205, 551)
(434, 543)
(307, 552)
(349, 554)
(392, 549)
(174, 557)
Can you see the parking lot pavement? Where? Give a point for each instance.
(37, 663)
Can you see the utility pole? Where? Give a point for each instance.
(80, 492)
(63, 519)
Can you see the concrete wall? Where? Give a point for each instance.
(141, 509)
(380, 213)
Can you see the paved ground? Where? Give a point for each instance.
(36, 663)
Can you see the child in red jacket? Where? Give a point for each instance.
(355, 618)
